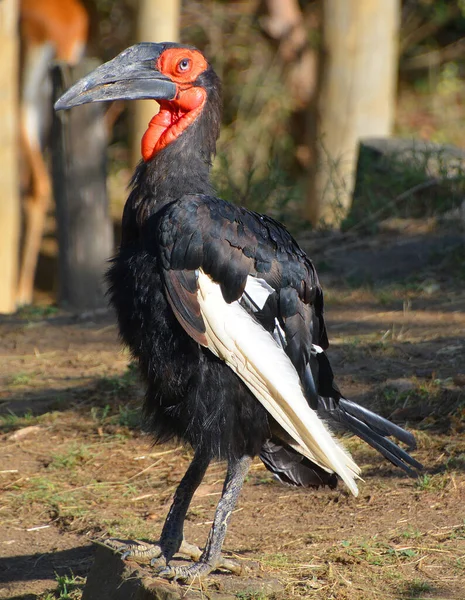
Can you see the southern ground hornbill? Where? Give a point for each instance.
(221, 308)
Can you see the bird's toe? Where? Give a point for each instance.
(143, 551)
(158, 562)
(186, 573)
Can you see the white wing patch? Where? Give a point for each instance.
(316, 349)
(255, 296)
(278, 335)
(258, 291)
(250, 351)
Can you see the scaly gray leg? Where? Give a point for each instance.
(172, 532)
(171, 540)
(211, 556)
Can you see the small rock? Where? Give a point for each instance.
(20, 434)
(114, 579)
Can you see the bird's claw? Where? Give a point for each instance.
(158, 562)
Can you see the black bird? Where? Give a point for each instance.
(221, 308)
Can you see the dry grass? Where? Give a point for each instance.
(76, 468)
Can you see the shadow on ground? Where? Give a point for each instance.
(29, 567)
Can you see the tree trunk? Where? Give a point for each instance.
(84, 229)
(158, 21)
(9, 181)
(285, 23)
(356, 97)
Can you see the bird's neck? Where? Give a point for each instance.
(182, 167)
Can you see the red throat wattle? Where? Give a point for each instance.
(174, 117)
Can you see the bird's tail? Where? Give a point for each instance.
(373, 429)
(367, 425)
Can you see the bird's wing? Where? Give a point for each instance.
(229, 244)
(236, 282)
(240, 285)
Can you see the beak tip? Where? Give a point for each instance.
(65, 103)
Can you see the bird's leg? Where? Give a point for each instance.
(210, 558)
(171, 540)
(172, 533)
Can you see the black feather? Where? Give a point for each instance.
(384, 445)
(173, 225)
(290, 467)
(379, 424)
(349, 416)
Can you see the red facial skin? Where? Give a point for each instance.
(182, 66)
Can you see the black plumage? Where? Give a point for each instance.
(174, 229)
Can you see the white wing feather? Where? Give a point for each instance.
(252, 353)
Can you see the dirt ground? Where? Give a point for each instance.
(75, 467)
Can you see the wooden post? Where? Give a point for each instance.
(356, 97)
(157, 21)
(84, 230)
(10, 212)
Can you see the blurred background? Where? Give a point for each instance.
(339, 115)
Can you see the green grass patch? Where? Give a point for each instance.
(411, 534)
(73, 457)
(416, 589)
(378, 553)
(20, 379)
(36, 312)
(10, 421)
(432, 483)
(69, 587)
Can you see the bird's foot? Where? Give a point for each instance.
(200, 569)
(185, 573)
(146, 551)
(143, 551)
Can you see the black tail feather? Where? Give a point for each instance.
(379, 424)
(292, 468)
(385, 446)
(371, 428)
(357, 419)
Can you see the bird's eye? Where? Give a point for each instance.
(184, 65)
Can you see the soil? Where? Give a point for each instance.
(76, 467)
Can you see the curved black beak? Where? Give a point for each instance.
(132, 75)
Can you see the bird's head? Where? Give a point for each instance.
(178, 77)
